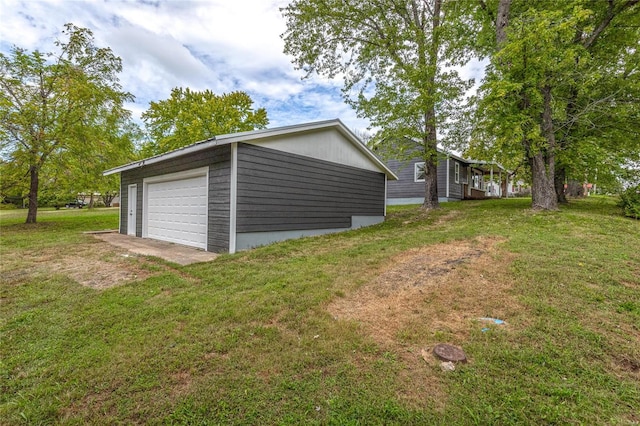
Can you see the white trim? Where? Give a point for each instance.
(135, 209)
(448, 173)
(456, 172)
(201, 171)
(233, 198)
(415, 171)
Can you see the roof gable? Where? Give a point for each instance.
(346, 150)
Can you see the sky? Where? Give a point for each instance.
(220, 45)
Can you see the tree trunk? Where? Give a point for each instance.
(431, 165)
(560, 180)
(431, 138)
(108, 197)
(502, 21)
(543, 161)
(542, 189)
(33, 195)
(431, 184)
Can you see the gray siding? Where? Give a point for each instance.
(442, 177)
(279, 191)
(218, 161)
(405, 186)
(455, 189)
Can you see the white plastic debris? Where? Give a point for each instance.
(447, 366)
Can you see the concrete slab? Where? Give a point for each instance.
(171, 252)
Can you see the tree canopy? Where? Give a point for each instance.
(559, 99)
(395, 57)
(561, 92)
(190, 116)
(61, 108)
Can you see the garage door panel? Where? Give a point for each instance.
(176, 235)
(178, 196)
(157, 227)
(194, 204)
(185, 195)
(177, 211)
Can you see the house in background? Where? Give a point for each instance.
(458, 179)
(242, 190)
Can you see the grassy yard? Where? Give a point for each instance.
(329, 330)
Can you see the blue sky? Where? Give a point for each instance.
(221, 45)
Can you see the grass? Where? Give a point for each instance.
(248, 338)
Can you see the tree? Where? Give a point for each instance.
(598, 124)
(189, 116)
(109, 150)
(543, 97)
(395, 57)
(13, 186)
(56, 104)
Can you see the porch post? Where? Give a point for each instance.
(507, 188)
(491, 180)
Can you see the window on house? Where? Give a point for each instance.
(457, 172)
(418, 173)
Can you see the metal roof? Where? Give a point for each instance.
(257, 135)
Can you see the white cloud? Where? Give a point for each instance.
(221, 45)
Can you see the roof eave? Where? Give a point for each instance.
(198, 146)
(254, 135)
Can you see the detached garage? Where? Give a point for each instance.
(242, 190)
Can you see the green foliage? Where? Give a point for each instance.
(188, 117)
(630, 202)
(585, 54)
(396, 60)
(14, 182)
(62, 119)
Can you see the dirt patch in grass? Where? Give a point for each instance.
(95, 265)
(181, 383)
(629, 365)
(427, 296)
(101, 274)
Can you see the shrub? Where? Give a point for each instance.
(630, 202)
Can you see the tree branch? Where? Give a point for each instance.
(610, 14)
(484, 7)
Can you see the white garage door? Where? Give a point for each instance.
(177, 211)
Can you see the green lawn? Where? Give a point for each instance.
(254, 338)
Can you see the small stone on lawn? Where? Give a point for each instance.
(447, 352)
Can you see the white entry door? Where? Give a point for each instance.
(132, 202)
